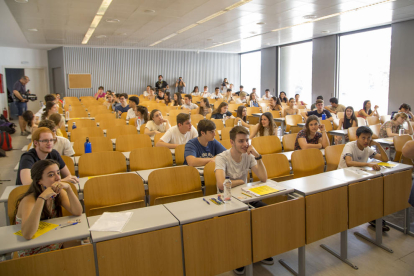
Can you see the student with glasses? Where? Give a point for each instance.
(43, 142)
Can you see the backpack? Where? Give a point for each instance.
(5, 141)
(5, 125)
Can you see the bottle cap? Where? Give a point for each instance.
(227, 177)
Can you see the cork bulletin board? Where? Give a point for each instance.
(77, 81)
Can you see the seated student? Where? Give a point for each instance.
(141, 112)
(179, 134)
(59, 122)
(100, 93)
(319, 111)
(216, 95)
(335, 107)
(147, 92)
(290, 110)
(267, 96)
(133, 102)
(408, 151)
(48, 98)
(309, 137)
(265, 127)
(349, 120)
(228, 97)
(392, 128)
(160, 95)
(29, 117)
(241, 116)
(43, 142)
(253, 102)
(177, 100)
(62, 145)
(201, 150)
(404, 108)
(242, 98)
(156, 124)
(282, 97)
(123, 107)
(240, 91)
(151, 96)
(221, 110)
(205, 93)
(275, 104)
(298, 102)
(313, 106)
(109, 101)
(187, 102)
(366, 110)
(195, 92)
(58, 98)
(43, 200)
(51, 108)
(204, 108)
(116, 102)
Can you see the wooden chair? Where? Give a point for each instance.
(252, 110)
(225, 133)
(79, 134)
(123, 116)
(361, 121)
(85, 98)
(210, 183)
(81, 123)
(63, 130)
(399, 142)
(289, 142)
(101, 163)
(307, 162)
(174, 184)
(115, 132)
(229, 122)
(66, 99)
(375, 130)
(113, 193)
(150, 158)
(253, 120)
(352, 133)
(14, 196)
(173, 114)
(219, 124)
(195, 118)
(111, 123)
(373, 120)
(65, 212)
(340, 115)
(104, 117)
(292, 120)
(277, 166)
(267, 144)
(332, 156)
(69, 163)
(179, 155)
(328, 127)
(142, 128)
(130, 142)
(157, 137)
(99, 144)
(385, 118)
(295, 129)
(78, 114)
(99, 109)
(226, 143)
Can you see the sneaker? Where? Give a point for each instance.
(385, 227)
(22, 134)
(239, 271)
(268, 261)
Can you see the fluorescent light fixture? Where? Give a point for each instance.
(187, 28)
(168, 37)
(95, 22)
(236, 5)
(33, 30)
(155, 43)
(208, 18)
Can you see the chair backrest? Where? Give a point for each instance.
(173, 114)
(77, 113)
(63, 130)
(65, 212)
(307, 162)
(295, 129)
(179, 154)
(373, 120)
(104, 117)
(12, 200)
(340, 115)
(332, 156)
(85, 98)
(98, 144)
(229, 122)
(385, 118)
(101, 163)
(210, 182)
(100, 109)
(113, 193)
(111, 123)
(195, 118)
(226, 143)
(267, 144)
(253, 120)
(276, 165)
(115, 132)
(375, 130)
(275, 113)
(69, 163)
(361, 121)
(142, 128)
(252, 110)
(133, 141)
(81, 123)
(289, 142)
(328, 127)
(399, 142)
(174, 181)
(124, 115)
(352, 133)
(293, 120)
(150, 158)
(157, 137)
(219, 124)
(81, 133)
(225, 133)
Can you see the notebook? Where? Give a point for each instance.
(388, 165)
(262, 189)
(44, 227)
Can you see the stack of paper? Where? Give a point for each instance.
(262, 189)
(113, 222)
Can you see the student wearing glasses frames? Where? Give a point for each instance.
(43, 142)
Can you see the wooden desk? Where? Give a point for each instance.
(5, 198)
(341, 133)
(236, 192)
(152, 234)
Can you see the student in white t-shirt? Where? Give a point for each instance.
(133, 103)
(156, 124)
(356, 153)
(179, 134)
(267, 96)
(187, 102)
(205, 93)
(216, 95)
(147, 92)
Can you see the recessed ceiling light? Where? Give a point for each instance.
(33, 30)
(149, 11)
(100, 36)
(326, 32)
(310, 16)
(113, 20)
(260, 23)
(21, 1)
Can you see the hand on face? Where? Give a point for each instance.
(252, 150)
(322, 127)
(48, 193)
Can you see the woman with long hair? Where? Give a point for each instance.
(30, 119)
(167, 98)
(59, 121)
(196, 91)
(253, 100)
(275, 104)
(51, 108)
(309, 137)
(180, 85)
(282, 97)
(221, 110)
(392, 127)
(204, 108)
(366, 110)
(142, 114)
(349, 120)
(265, 127)
(156, 124)
(291, 110)
(44, 200)
(241, 116)
(177, 100)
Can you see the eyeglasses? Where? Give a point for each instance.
(48, 140)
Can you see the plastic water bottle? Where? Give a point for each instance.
(73, 126)
(88, 146)
(239, 123)
(70, 108)
(227, 189)
(279, 132)
(267, 109)
(138, 123)
(224, 118)
(251, 103)
(67, 115)
(323, 116)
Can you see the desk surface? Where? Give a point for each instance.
(197, 209)
(10, 242)
(236, 192)
(400, 167)
(385, 141)
(143, 220)
(352, 175)
(314, 184)
(5, 195)
(342, 132)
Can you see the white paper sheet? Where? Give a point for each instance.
(113, 222)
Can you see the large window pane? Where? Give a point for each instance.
(250, 71)
(295, 71)
(364, 68)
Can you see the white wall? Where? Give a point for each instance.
(13, 58)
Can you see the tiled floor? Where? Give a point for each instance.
(370, 259)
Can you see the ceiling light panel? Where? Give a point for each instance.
(96, 20)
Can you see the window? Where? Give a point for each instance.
(295, 71)
(251, 71)
(364, 68)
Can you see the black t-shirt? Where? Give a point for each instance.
(18, 86)
(315, 112)
(238, 93)
(220, 116)
(28, 159)
(161, 85)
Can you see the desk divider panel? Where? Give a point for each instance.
(217, 245)
(278, 228)
(326, 214)
(397, 188)
(77, 260)
(152, 253)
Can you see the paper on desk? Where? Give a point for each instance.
(113, 222)
(44, 227)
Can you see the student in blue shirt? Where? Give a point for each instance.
(203, 149)
(123, 107)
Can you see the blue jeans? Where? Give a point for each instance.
(21, 107)
(411, 199)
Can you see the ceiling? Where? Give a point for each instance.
(65, 22)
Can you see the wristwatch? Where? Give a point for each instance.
(259, 157)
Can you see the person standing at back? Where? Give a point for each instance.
(179, 134)
(161, 84)
(19, 96)
(180, 85)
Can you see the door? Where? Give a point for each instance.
(13, 75)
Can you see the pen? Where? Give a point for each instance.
(219, 198)
(214, 201)
(69, 224)
(246, 195)
(206, 201)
